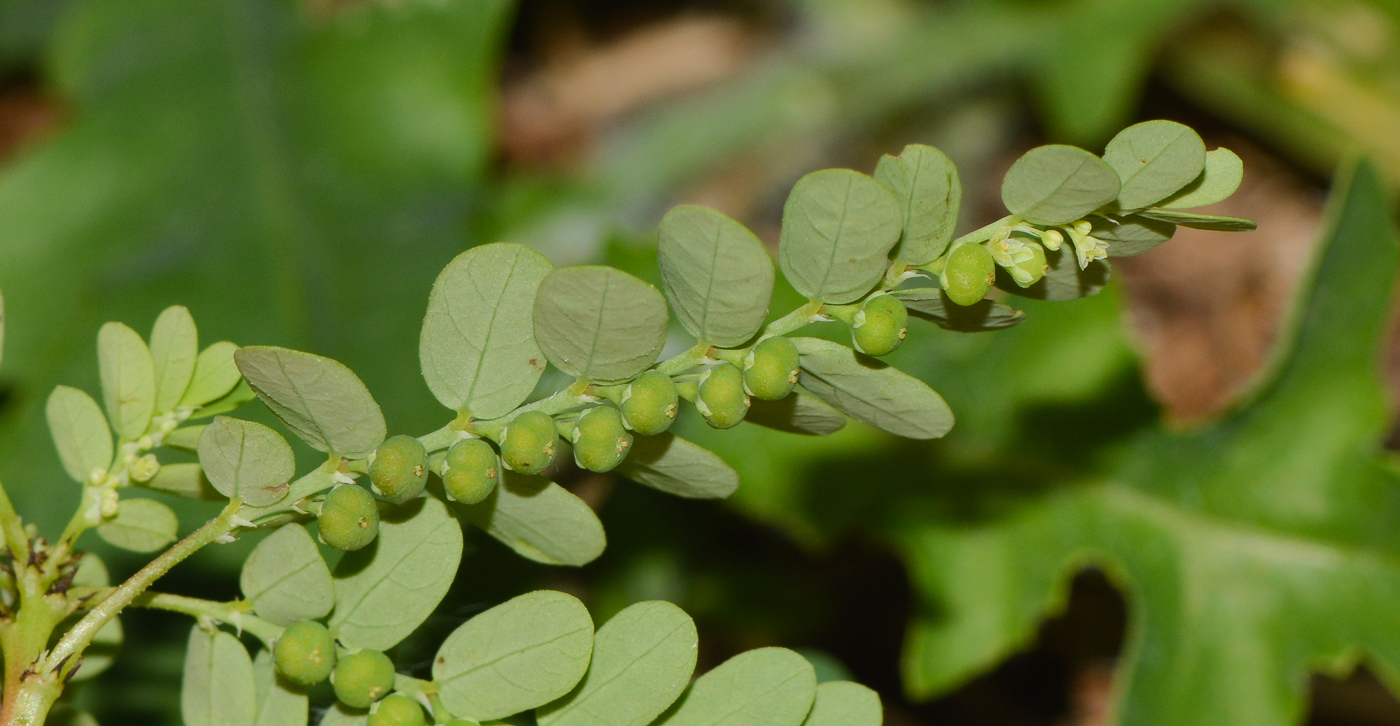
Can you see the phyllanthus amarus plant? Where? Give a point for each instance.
(864, 251)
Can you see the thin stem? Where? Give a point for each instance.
(13, 528)
(77, 639)
(982, 234)
(795, 320)
(224, 612)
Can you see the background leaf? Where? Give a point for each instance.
(324, 402)
(279, 702)
(838, 228)
(128, 379)
(1058, 184)
(668, 463)
(1222, 176)
(141, 525)
(872, 392)
(218, 687)
(247, 460)
(842, 703)
(926, 185)
(79, 431)
(185, 480)
(1201, 221)
(932, 305)
(540, 520)
(717, 275)
(1155, 159)
(285, 578)
(763, 687)
(1132, 235)
(599, 324)
(174, 352)
(478, 348)
(799, 413)
(516, 656)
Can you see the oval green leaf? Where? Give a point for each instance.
(215, 374)
(599, 324)
(1202, 221)
(477, 347)
(185, 480)
(716, 275)
(673, 465)
(540, 520)
(642, 661)
(175, 352)
(1222, 176)
(926, 185)
(931, 304)
(1058, 184)
(242, 393)
(184, 439)
(872, 392)
(324, 402)
(516, 656)
(842, 703)
(128, 379)
(247, 460)
(79, 432)
(386, 590)
(141, 525)
(1154, 160)
(1132, 234)
(838, 229)
(799, 413)
(286, 579)
(763, 687)
(219, 688)
(1063, 280)
(280, 703)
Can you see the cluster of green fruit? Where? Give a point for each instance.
(306, 655)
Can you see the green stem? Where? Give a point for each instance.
(225, 612)
(982, 234)
(13, 529)
(795, 320)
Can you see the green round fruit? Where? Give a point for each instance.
(722, 400)
(349, 518)
(400, 469)
(770, 369)
(529, 443)
(969, 274)
(1034, 266)
(397, 710)
(362, 678)
(471, 471)
(305, 653)
(600, 440)
(649, 403)
(880, 326)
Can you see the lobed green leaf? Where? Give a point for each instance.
(174, 352)
(763, 687)
(715, 273)
(1058, 184)
(141, 525)
(1222, 176)
(247, 460)
(324, 402)
(79, 432)
(219, 688)
(215, 374)
(540, 520)
(519, 655)
(842, 703)
(128, 379)
(599, 324)
(799, 413)
(926, 185)
(285, 578)
(1154, 159)
(931, 304)
(477, 347)
(673, 465)
(872, 392)
(838, 229)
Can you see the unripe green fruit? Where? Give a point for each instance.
(305, 653)
(600, 440)
(349, 518)
(880, 326)
(397, 710)
(649, 403)
(471, 471)
(770, 369)
(529, 443)
(722, 400)
(362, 678)
(1035, 266)
(400, 469)
(969, 274)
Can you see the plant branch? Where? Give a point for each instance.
(13, 528)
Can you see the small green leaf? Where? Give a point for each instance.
(1222, 176)
(872, 392)
(341, 715)
(516, 656)
(1132, 234)
(184, 439)
(141, 525)
(642, 661)
(477, 347)
(799, 413)
(324, 402)
(1063, 280)
(599, 324)
(215, 374)
(242, 393)
(931, 304)
(842, 703)
(1058, 184)
(79, 431)
(185, 480)
(1202, 221)
(286, 579)
(540, 520)
(279, 702)
(174, 351)
(926, 185)
(673, 465)
(763, 687)
(716, 274)
(838, 229)
(384, 591)
(219, 688)
(128, 379)
(1155, 159)
(247, 460)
